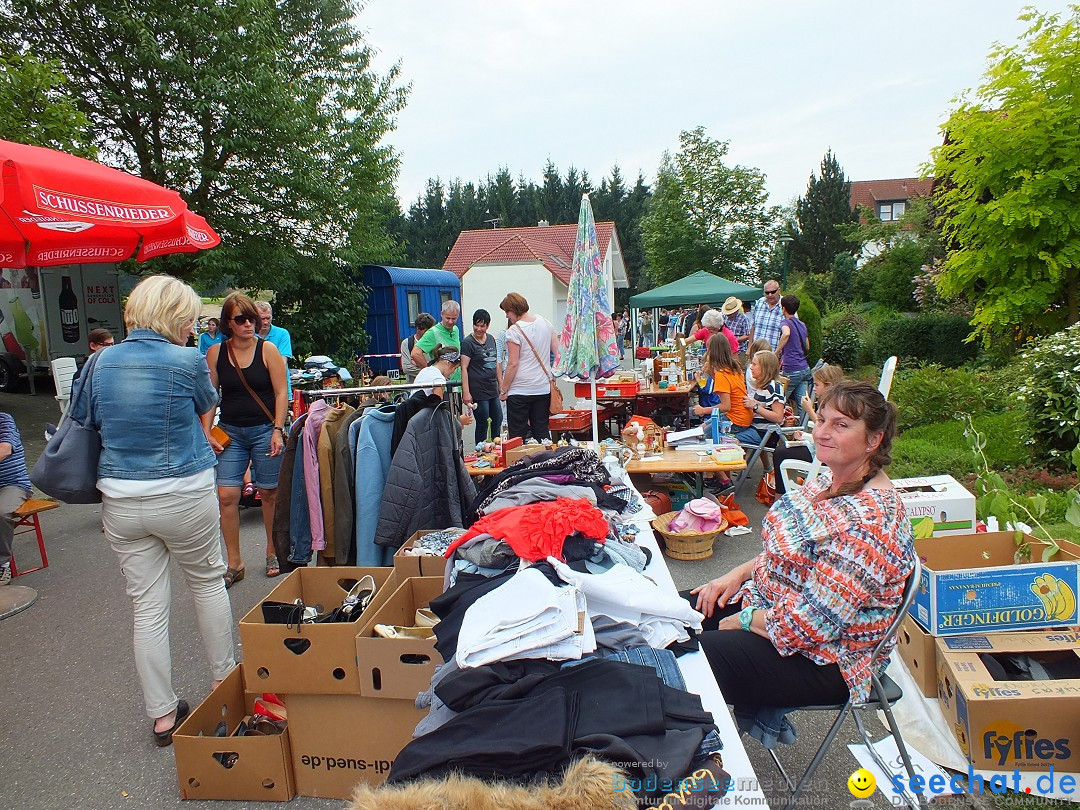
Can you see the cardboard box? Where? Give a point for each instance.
(680, 495)
(314, 658)
(1006, 724)
(398, 667)
(505, 446)
(917, 648)
(408, 565)
(339, 741)
(261, 767)
(518, 453)
(971, 585)
(937, 505)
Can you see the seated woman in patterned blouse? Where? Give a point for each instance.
(796, 625)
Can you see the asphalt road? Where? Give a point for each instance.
(73, 733)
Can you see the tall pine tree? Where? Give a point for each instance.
(826, 204)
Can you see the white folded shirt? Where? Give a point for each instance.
(525, 617)
(627, 595)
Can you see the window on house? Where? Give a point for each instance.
(414, 306)
(890, 212)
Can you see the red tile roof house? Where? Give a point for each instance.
(534, 262)
(888, 199)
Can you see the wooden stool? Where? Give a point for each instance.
(26, 520)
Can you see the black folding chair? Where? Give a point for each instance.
(884, 694)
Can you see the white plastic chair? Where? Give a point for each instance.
(63, 372)
(887, 371)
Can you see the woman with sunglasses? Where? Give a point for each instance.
(250, 373)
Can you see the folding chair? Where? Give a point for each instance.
(63, 371)
(884, 694)
(762, 447)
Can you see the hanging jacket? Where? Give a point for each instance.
(372, 465)
(344, 490)
(405, 412)
(427, 485)
(282, 510)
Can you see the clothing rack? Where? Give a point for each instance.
(324, 393)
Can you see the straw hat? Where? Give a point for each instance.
(731, 306)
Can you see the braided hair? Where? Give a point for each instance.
(862, 401)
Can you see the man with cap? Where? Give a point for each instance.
(736, 322)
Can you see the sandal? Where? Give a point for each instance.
(273, 568)
(233, 575)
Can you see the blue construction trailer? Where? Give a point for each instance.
(397, 295)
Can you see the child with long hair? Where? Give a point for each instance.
(759, 345)
(722, 390)
(767, 401)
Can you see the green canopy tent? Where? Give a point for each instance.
(699, 288)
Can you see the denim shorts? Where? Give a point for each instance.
(249, 444)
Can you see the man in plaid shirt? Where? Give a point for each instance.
(767, 315)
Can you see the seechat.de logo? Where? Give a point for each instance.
(1023, 745)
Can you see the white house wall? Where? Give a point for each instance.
(485, 286)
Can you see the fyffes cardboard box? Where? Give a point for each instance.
(970, 584)
(937, 505)
(1003, 721)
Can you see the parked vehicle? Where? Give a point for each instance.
(47, 312)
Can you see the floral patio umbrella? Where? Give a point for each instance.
(587, 345)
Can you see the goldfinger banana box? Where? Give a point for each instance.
(1012, 700)
(971, 584)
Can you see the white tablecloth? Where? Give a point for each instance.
(700, 681)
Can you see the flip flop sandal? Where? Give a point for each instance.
(273, 568)
(233, 575)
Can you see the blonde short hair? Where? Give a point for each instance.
(165, 305)
(769, 364)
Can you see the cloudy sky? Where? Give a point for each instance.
(594, 83)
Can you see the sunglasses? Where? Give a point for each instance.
(772, 292)
(243, 319)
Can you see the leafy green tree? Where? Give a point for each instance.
(706, 215)
(1008, 194)
(841, 273)
(267, 118)
(34, 108)
(889, 278)
(825, 206)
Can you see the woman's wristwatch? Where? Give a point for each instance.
(746, 616)
(281, 428)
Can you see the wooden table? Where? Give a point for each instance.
(676, 397)
(685, 463)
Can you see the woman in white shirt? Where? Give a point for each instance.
(526, 383)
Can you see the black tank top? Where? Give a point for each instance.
(238, 407)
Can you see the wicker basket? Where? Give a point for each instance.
(686, 545)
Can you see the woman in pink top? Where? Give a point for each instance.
(711, 323)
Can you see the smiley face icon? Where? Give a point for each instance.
(861, 783)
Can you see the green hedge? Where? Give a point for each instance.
(931, 337)
(941, 449)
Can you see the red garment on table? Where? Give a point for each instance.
(537, 531)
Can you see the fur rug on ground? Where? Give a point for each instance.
(588, 784)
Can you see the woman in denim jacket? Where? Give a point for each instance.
(152, 401)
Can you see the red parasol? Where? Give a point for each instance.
(57, 209)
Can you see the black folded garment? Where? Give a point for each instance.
(507, 738)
